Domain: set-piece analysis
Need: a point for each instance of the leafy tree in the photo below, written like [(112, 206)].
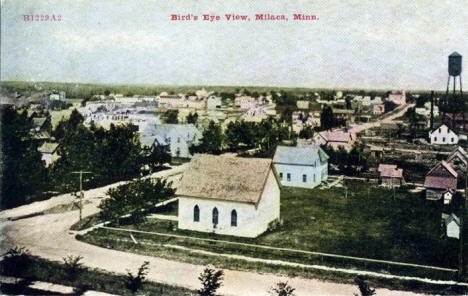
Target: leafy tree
[(23, 172), (192, 118), (135, 282), (135, 198), (211, 281), (363, 287), (212, 140), (155, 156), (389, 106), (326, 118), (73, 267), (107, 92), (282, 289), (170, 116)]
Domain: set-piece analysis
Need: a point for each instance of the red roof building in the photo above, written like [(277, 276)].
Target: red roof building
[(440, 178)]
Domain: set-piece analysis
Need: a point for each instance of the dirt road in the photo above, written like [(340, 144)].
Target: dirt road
[(48, 236), (398, 112)]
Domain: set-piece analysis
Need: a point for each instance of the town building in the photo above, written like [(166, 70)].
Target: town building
[(301, 104), (451, 225), (213, 102), (301, 166), (49, 152), (439, 179), (459, 160), (228, 195), (443, 136), (336, 139), (177, 137), (397, 97), (390, 175)]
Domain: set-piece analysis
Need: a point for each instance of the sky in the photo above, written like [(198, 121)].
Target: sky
[(353, 44)]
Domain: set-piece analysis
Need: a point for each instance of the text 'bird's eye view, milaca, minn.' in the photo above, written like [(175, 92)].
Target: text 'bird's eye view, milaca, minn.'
[(233, 148)]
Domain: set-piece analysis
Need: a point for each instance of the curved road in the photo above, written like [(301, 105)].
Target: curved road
[(48, 236)]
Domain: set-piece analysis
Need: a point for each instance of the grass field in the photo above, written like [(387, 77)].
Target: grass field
[(369, 223)]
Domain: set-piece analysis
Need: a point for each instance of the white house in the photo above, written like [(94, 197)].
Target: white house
[(228, 195), (49, 152), (213, 102), (452, 225), (301, 166), (178, 137), (443, 136)]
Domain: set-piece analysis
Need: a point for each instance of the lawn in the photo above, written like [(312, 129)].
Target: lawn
[(368, 223)]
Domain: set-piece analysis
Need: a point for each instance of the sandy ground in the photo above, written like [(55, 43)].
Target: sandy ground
[(48, 236)]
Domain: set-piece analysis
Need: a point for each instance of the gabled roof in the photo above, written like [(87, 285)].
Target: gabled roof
[(455, 54), (460, 153), (440, 183), (336, 136), (300, 155), (159, 132), (225, 177), (449, 218), (442, 125), (48, 147), (390, 171), (38, 121), (446, 166)]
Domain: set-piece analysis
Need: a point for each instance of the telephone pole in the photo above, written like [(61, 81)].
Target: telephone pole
[(461, 261), (81, 190)]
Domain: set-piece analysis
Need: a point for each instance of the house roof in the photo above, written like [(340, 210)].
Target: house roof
[(159, 132), (460, 153), (336, 136), (390, 171), (48, 147), (455, 54), (225, 177), (300, 155), (442, 125), (449, 218), (436, 182), (38, 121), (446, 166)]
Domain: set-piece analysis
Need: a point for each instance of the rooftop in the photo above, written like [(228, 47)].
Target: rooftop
[(225, 177), (299, 155)]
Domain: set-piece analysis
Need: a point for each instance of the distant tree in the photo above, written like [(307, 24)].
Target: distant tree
[(211, 281), (348, 103), (192, 118), (107, 92), (282, 289), (170, 116), (363, 287), (135, 282), (136, 198), (73, 267), (211, 141), (155, 156), (326, 118), (389, 106)]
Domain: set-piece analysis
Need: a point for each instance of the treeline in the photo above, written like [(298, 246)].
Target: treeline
[(238, 136), (106, 155), (352, 162)]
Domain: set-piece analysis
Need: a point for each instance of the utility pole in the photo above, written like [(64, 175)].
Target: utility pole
[(461, 261), (81, 190), (432, 110)]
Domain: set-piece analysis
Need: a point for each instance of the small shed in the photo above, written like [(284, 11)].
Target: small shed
[(390, 175), (451, 225)]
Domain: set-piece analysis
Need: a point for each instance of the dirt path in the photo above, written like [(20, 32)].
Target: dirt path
[(48, 236), (398, 112)]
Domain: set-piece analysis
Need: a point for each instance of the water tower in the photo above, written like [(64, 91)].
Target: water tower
[(454, 70)]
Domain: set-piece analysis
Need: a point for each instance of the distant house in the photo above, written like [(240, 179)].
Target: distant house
[(49, 152), (397, 97), (228, 195), (459, 160), (378, 109), (451, 225), (302, 104), (301, 166), (443, 136), (213, 102), (390, 175), (336, 139), (178, 137), (441, 177)]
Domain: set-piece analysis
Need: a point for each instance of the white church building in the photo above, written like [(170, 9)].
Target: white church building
[(443, 136), (228, 195), (301, 166)]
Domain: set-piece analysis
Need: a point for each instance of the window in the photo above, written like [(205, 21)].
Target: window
[(288, 176), (435, 139), (453, 140), (281, 176), (440, 130), (215, 217), (304, 178), (178, 139), (443, 139), (234, 218), (314, 177), (196, 214)]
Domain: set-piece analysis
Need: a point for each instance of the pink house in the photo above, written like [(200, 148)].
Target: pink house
[(397, 97), (336, 139)]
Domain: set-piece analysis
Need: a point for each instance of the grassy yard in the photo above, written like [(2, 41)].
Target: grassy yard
[(368, 223)]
